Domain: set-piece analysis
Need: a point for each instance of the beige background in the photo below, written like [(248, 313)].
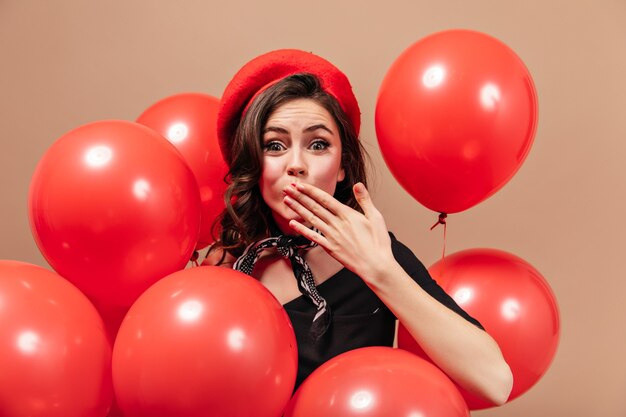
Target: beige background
[(66, 63)]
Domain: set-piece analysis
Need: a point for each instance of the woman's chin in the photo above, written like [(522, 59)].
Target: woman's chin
[(283, 221)]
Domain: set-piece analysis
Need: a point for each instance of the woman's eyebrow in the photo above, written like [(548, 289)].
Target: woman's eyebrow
[(275, 129), (318, 126)]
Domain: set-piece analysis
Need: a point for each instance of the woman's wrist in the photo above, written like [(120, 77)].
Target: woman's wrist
[(383, 272)]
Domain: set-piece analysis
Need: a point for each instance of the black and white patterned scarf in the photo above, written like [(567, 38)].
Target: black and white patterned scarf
[(291, 247)]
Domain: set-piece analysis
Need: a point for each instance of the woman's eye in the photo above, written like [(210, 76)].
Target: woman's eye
[(273, 147), (319, 145)]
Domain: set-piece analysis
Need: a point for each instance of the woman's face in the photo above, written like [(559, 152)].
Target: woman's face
[(301, 143)]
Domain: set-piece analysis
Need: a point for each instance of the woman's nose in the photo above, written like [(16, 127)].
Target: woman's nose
[(296, 165)]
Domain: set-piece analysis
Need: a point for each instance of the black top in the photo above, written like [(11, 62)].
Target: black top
[(359, 317)]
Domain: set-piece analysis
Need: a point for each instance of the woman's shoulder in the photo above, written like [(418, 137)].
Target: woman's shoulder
[(216, 255), (405, 256), (398, 248)]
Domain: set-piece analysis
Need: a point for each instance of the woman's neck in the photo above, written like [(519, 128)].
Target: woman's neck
[(322, 264)]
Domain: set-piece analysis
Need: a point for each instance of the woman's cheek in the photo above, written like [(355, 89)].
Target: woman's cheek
[(328, 179), (271, 173)]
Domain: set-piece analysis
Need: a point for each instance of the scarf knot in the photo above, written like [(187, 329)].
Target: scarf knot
[(286, 246), (290, 247)]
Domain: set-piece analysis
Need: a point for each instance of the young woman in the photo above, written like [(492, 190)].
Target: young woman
[(299, 219)]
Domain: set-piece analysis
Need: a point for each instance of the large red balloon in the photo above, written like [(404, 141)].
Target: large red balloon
[(377, 381), (512, 301), (55, 360), (206, 341), (113, 208), (188, 122), (456, 116)]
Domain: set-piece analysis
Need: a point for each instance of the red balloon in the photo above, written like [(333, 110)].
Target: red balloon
[(113, 208), (55, 360), (205, 341), (456, 116), (377, 381), (188, 122), (512, 301), (112, 317)]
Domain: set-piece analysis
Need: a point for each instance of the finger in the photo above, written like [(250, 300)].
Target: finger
[(363, 198), (322, 197), (306, 214), (310, 234), (310, 204)]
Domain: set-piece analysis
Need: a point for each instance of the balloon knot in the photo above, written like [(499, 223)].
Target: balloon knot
[(441, 220), (194, 257)]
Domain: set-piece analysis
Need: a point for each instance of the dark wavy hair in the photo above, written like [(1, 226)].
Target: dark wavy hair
[(247, 217)]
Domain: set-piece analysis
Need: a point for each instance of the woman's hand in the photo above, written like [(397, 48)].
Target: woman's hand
[(359, 241)]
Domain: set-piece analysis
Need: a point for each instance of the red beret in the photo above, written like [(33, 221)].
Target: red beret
[(267, 69)]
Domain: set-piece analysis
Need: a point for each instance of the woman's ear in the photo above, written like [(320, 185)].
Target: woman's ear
[(341, 175)]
